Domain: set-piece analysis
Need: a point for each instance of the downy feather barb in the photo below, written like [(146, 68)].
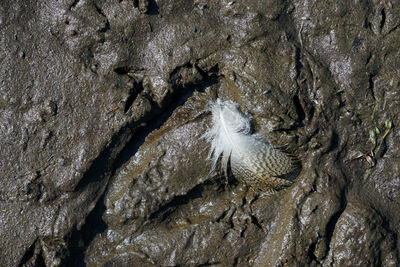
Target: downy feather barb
[(253, 159)]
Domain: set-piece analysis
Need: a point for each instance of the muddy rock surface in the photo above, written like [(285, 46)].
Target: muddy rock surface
[(103, 105)]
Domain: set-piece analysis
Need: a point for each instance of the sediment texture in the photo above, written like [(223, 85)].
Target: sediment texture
[(102, 109)]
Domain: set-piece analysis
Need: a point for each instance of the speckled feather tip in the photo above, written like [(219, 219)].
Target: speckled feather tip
[(253, 159)]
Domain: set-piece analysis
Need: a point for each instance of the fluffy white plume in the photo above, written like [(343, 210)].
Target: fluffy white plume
[(230, 134), (252, 158)]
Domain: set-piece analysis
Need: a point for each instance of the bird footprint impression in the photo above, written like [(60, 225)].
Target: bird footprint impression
[(252, 157)]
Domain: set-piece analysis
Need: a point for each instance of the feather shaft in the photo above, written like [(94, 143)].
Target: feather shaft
[(253, 159)]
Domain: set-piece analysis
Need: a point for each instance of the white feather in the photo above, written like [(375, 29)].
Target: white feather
[(230, 133), (250, 154)]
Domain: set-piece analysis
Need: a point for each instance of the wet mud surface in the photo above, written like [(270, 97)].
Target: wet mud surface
[(104, 104)]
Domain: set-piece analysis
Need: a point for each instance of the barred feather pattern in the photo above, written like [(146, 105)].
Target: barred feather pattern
[(253, 159)]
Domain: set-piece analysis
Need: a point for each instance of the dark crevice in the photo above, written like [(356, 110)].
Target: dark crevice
[(368, 8), (160, 115), (334, 142), (366, 23), (222, 216), (230, 221), (29, 253), (208, 78), (114, 156), (148, 7), (370, 81), (368, 58), (228, 178), (356, 42), (381, 149), (98, 9), (311, 113), (330, 227), (89, 53), (371, 84), (235, 261), (394, 28), (107, 24), (383, 20), (73, 4), (299, 109), (102, 165), (298, 65), (33, 256), (152, 8), (40, 261), (176, 75), (122, 70), (213, 70), (255, 221), (311, 254), (81, 239), (106, 27), (133, 93)]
